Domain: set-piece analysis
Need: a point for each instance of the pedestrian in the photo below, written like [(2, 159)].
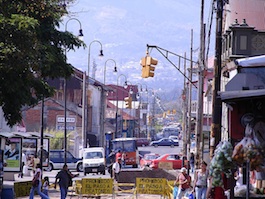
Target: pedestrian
[(36, 160), (118, 155), (123, 159), (200, 181), (192, 162), (183, 180), (45, 186), (65, 180), (23, 161), (116, 169), (36, 184)]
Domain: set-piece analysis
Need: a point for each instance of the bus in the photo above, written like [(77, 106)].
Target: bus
[(129, 146)]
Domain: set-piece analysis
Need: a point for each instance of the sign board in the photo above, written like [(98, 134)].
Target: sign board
[(97, 186), (155, 186), (165, 165), (70, 123), (12, 154)]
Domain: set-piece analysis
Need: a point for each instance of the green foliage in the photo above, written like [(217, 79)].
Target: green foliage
[(57, 141), (31, 50)]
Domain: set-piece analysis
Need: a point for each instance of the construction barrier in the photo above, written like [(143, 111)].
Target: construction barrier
[(107, 186)]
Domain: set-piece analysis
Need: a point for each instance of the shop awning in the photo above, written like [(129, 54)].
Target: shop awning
[(24, 134), (241, 94), (6, 134)]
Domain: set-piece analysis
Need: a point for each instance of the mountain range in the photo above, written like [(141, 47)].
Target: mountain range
[(124, 28)]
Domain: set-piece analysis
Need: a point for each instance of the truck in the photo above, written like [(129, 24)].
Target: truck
[(94, 160)]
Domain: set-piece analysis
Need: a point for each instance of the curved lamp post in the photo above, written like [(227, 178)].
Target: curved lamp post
[(84, 112), (100, 54), (65, 90), (116, 127), (115, 68)]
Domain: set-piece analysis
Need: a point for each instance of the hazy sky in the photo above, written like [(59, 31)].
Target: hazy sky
[(125, 27)]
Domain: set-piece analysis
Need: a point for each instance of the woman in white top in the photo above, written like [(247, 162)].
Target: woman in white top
[(36, 184), (200, 181)]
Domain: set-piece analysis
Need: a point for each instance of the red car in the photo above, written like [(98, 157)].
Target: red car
[(147, 159), (168, 161)]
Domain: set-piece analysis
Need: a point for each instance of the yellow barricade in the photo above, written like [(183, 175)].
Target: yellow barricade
[(154, 186), (97, 186), (124, 188), (22, 188)]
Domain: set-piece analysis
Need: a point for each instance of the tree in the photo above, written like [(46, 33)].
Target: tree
[(31, 50)]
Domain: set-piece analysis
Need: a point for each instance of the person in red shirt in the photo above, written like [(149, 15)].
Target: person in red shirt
[(118, 155)]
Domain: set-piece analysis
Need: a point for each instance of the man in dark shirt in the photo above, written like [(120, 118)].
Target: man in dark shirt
[(65, 179)]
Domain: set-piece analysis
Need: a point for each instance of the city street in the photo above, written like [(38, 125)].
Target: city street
[(56, 194)]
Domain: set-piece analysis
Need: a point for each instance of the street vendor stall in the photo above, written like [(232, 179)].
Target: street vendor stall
[(244, 96)]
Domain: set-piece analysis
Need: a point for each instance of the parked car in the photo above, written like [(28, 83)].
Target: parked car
[(57, 161), (142, 142), (147, 159), (164, 142), (169, 161), (175, 138)]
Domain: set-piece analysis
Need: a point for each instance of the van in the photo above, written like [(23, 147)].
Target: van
[(94, 160)]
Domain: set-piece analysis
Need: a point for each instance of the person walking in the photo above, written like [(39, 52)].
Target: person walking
[(65, 179), (200, 181), (192, 162), (116, 169), (36, 184), (183, 180), (123, 159), (118, 155), (36, 160), (45, 186), (23, 163)]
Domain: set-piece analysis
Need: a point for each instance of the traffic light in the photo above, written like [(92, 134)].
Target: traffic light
[(148, 68), (128, 102), (151, 62), (144, 68)]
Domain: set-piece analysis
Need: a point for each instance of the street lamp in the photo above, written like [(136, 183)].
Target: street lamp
[(65, 90), (100, 54), (84, 112), (116, 127), (115, 68)]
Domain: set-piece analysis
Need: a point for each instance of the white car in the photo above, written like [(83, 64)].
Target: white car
[(175, 138)]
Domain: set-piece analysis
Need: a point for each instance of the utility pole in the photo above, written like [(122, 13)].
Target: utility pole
[(199, 116), (190, 96), (217, 105), (184, 118)]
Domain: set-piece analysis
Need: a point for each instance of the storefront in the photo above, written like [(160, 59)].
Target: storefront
[(244, 97)]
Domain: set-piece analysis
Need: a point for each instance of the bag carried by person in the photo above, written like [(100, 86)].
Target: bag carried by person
[(35, 182), (175, 192)]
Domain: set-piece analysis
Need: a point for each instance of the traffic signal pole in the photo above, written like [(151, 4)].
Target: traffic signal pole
[(217, 104)]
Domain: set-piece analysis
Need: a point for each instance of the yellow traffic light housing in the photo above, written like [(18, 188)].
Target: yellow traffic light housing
[(151, 62), (128, 102), (144, 68), (148, 66)]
